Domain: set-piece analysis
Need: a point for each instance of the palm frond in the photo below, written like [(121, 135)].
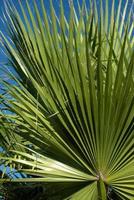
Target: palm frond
[(73, 101)]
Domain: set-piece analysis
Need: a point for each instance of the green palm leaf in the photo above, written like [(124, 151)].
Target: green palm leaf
[(73, 101)]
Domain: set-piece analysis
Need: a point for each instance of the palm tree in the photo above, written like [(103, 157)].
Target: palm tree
[(72, 104)]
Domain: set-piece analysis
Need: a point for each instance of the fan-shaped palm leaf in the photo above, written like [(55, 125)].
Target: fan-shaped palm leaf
[(74, 97)]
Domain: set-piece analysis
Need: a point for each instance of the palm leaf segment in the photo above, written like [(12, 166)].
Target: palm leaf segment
[(74, 97)]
